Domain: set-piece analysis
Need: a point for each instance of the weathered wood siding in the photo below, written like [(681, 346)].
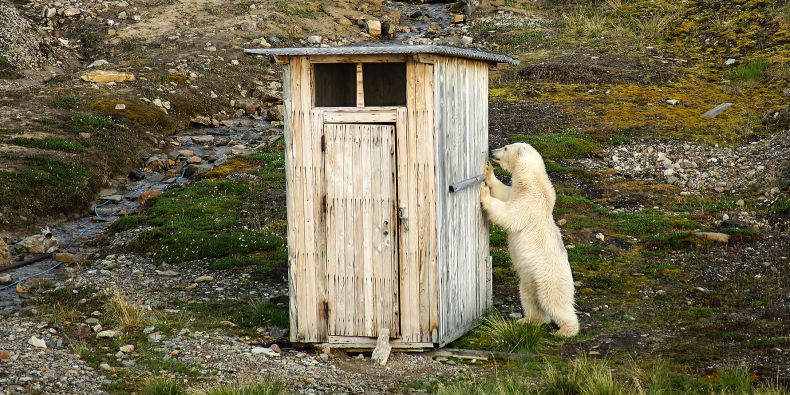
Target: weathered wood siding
[(461, 121), (416, 198), (304, 194)]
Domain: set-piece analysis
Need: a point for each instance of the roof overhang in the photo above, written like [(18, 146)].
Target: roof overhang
[(444, 50)]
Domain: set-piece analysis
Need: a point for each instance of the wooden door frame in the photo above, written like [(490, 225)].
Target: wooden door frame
[(395, 115)]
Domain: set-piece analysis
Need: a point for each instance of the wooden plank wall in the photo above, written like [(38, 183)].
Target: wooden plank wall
[(416, 183), (462, 149), (305, 191)]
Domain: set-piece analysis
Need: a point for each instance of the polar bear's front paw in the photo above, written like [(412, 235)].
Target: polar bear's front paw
[(485, 194), (488, 172)]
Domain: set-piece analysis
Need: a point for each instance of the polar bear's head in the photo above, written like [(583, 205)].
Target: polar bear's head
[(510, 156)]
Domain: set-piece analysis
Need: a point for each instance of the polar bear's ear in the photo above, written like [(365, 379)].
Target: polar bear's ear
[(522, 150)]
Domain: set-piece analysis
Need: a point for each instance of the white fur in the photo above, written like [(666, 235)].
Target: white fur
[(538, 254)]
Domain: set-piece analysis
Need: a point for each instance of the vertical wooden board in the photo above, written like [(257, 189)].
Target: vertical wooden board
[(359, 273), (442, 190), (367, 148), (289, 199), (404, 182), (422, 258), (399, 176), (309, 187), (319, 215), (377, 232), (297, 137), (432, 223), (331, 175)]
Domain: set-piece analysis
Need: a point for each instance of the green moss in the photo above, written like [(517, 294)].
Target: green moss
[(67, 102), (46, 185), (567, 144), (137, 112), (770, 342), (590, 257), (48, 143), (201, 220), (86, 123)]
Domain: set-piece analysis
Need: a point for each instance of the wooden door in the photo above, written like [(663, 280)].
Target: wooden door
[(361, 229)]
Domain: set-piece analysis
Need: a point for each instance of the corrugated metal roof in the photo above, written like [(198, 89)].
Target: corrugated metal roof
[(388, 49)]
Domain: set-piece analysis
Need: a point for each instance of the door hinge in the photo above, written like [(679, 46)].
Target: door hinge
[(323, 143)]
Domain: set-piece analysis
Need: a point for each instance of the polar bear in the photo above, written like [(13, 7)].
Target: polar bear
[(538, 254)]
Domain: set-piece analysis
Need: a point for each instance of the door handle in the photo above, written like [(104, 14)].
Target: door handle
[(386, 228)]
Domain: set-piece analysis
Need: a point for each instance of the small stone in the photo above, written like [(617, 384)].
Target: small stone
[(5, 355), (275, 348), (740, 203), (206, 139), (729, 62), (374, 27), (167, 273), (194, 160), (65, 258), (148, 330), (600, 236), (83, 331), (459, 18), (5, 279), (562, 222), (713, 112), (107, 334), (120, 106), (97, 63), (71, 12), (129, 348), (227, 323), (37, 342), (265, 351), (516, 316), (725, 217), (204, 279), (381, 353), (714, 236), (155, 337), (314, 39), (92, 321), (106, 366), (673, 102), (103, 77), (466, 41)]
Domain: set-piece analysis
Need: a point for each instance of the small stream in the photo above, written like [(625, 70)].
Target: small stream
[(213, 146)]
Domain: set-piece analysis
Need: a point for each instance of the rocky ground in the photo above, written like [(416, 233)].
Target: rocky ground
[(150, 146)]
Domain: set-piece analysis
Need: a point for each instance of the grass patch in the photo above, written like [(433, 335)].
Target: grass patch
[(48, 143), (85, 123), (126, 316), (248, 315), (749, 71), (201, 220), (163, 386), (567, 144), (67, 103), (497, 333), (301, 9), (266, 262), (269, 387), (157, 361), (47, 185), (767, 342)]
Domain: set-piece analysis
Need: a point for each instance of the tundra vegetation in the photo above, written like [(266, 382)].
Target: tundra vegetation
[(663, 310)]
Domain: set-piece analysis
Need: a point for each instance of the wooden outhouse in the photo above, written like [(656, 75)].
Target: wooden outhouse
[(384, 150)]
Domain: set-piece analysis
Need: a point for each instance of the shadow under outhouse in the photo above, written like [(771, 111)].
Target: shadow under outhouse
[(384, 149)]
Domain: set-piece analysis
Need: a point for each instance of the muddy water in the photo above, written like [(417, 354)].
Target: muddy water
[(245, 137)]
